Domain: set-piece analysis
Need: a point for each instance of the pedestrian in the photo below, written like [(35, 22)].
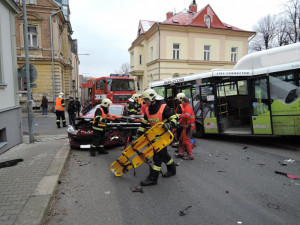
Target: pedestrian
[(187, 121), (134, 106), (44, 105), (99, 128), (157, 111), (78, 106), (72, 111), (60, 110)]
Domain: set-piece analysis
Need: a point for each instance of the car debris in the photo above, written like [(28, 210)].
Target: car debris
[(288, 175), (137, 189), (184, 212)]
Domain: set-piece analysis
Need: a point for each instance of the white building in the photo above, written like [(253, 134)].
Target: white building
[(10, 111)]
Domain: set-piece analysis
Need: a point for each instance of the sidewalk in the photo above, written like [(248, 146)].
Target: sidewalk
[(26, 189)]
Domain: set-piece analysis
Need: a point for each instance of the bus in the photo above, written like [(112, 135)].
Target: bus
[(259, 96), (118, 88)]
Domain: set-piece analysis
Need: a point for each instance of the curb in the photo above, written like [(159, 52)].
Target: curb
[(37, 206)]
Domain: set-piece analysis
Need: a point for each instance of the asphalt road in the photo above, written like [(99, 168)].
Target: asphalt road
[(231, 181)]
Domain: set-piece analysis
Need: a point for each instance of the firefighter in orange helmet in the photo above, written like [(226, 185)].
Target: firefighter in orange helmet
[(187, 121), (60, 110)]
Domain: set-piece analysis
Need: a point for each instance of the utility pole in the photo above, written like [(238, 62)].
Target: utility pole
[(29, 99)]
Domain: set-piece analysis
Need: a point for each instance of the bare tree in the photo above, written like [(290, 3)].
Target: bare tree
[(292, 12), (283, 37), (124, 69), (265, 33)]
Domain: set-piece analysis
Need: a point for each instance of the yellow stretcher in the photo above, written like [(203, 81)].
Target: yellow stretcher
[(142, 149)]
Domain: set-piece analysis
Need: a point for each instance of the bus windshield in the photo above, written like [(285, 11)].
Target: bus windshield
[(120, 85)]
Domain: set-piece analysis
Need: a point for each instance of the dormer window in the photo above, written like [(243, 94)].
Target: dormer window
[(207, 21)]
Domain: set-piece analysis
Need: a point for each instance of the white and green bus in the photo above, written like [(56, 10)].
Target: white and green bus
[(260, 96)]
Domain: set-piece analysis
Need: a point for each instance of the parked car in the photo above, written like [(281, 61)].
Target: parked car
[(119, 127)]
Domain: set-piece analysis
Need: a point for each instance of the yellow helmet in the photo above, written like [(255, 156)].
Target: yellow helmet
[(135, 97), (180, 96), (150, 94), (106, 102)]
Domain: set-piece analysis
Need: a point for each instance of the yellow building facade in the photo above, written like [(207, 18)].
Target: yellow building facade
[(186, 43)]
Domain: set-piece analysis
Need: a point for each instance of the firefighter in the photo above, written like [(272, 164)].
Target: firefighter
[(187, 121), (60, 110), (178, 112), (157, 112), (134, 106), (99, 125)]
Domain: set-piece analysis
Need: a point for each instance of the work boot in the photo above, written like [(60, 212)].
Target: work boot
[(151, 179), (64, 124), (92, 151), (102, 151), (176, 155), (171, 170), (58, 126), (188, 158)]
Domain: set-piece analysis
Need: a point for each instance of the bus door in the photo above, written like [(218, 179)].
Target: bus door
[(207, 99), (260, 105)]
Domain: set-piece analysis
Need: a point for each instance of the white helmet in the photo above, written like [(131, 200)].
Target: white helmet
[(150, 94), (106, 102), (180, 96), (61, 94), (135, 97)]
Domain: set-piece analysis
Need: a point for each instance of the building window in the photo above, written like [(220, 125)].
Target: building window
[(176, 50), (151, 49), (132, 58), (206, 52), (32, 37), (140, 59), (207, 21), (233, 54)]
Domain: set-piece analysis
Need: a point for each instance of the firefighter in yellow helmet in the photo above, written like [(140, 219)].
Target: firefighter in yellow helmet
[(157, 111), (178, 112), (60, 110), (99, 126), (134, 106)]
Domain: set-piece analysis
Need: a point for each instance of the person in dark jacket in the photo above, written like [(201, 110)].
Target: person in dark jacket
[(72, 111), (157, 111), (44, 105), (87, 107), (78, 106), (134, 106)]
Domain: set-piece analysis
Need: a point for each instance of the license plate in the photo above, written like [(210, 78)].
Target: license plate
[(85, 146)]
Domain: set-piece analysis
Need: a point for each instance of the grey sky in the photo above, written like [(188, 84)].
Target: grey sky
[(106, 29)]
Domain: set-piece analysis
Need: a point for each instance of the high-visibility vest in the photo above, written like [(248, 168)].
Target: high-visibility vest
[(58, 105), (156, 118), (100, 124), (188, 117)]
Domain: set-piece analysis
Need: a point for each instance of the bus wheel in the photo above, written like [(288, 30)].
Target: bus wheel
[(199, 131)]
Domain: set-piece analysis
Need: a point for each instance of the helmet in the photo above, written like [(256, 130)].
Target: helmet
[(135, 97), (180, 96), (150, 94), (60, 94), (106, 102)]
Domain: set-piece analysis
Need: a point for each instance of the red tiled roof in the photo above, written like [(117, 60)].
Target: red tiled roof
[(188, 18)]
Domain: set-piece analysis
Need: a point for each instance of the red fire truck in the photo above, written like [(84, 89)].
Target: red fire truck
[(118, 88)]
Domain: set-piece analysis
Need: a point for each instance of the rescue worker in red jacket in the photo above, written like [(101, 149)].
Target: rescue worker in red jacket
[(99, 125), (134, 106), (157, 112), (60, 110), (187, 121)]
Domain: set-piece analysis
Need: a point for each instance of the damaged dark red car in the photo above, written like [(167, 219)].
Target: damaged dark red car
[(119, 127)]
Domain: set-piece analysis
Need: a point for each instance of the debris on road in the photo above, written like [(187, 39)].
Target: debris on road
[(137, 189), (184, 212), (222, 171), (10, 163), (288, 175)]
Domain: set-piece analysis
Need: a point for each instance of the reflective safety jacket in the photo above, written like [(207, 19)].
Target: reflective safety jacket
[(134, 108), (99, 122), (187, 117), (59, 104), (158, 112)]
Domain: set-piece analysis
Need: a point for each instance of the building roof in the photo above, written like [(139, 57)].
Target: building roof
[(192, 19)]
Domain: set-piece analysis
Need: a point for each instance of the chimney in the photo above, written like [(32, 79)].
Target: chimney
[(193, 7), (169, 15)]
